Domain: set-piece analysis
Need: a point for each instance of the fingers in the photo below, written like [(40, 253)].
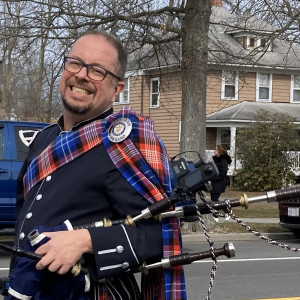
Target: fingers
[(59, 253)]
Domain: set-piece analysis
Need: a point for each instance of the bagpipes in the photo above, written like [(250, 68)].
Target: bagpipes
[(188, 184)]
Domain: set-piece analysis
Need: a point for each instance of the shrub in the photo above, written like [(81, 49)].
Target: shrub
[(263, 148)]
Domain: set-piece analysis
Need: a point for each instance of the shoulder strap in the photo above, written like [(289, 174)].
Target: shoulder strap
[(64, 149)]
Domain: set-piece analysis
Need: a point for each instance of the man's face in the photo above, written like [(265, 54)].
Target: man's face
[(80, 94)]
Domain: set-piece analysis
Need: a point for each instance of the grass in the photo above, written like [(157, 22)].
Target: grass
[(255, 210), (237, 228)]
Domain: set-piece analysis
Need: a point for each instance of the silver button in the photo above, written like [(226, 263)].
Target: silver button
[(39, 197), (119, 249), (125, 265), (48, 178), (22, 235), (29, 215)]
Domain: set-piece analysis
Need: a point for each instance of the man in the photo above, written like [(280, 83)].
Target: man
[(92, 165)]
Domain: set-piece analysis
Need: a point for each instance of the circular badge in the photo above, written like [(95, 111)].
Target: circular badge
[(119, 130)]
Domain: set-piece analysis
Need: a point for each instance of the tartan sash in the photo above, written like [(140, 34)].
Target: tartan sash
[(64, 149), (142, 160)]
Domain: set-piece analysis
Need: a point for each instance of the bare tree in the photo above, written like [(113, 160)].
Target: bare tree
[(194, 71), (163, 33)]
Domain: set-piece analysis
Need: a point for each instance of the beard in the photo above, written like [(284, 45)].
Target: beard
[(79, 110)]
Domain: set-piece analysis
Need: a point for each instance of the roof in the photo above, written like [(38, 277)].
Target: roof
[(224, 49), (245, 111)]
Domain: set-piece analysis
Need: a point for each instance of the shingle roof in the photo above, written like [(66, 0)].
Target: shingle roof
[(284, 55), (224, 49), (246, 111)]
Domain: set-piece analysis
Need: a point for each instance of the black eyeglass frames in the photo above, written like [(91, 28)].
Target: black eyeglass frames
[(94, 72)]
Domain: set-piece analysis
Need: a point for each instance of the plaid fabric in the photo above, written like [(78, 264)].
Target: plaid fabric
[(147, 170), (65, 148), (142, 160)]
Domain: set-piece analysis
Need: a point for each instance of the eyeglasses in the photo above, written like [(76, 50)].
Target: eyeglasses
[(94, 72)]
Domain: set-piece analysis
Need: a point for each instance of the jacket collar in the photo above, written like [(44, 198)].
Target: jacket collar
[(105, 114)]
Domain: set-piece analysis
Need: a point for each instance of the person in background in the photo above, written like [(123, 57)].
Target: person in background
[(222, 160)]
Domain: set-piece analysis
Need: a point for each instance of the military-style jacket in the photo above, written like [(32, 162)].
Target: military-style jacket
[(86, 190)]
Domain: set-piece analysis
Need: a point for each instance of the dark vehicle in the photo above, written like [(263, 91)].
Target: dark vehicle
[(289, 214), (15, 138)]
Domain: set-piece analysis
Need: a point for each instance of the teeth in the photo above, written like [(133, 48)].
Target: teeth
[(79, 90)]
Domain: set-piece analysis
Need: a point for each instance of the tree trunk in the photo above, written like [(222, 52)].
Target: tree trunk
[(194, 71)]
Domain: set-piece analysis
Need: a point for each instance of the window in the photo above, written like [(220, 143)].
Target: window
[(251, 42), (229, 85), (24, 137), (295, 88), (154, 92), (225, 138), (263, 43), (263, 87), (259, 43), (123, 98)]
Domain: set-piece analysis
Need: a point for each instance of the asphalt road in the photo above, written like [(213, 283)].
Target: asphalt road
[(258, 271)]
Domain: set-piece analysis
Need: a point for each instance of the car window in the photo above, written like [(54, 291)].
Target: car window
[(24, 137)]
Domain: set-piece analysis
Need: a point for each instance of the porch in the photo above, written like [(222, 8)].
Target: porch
[(221, 127), (235, 165)]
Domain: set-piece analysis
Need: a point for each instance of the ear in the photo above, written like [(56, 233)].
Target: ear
[(119, 88)]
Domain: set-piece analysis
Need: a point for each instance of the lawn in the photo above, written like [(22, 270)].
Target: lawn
[(237, 228), (255, 210)]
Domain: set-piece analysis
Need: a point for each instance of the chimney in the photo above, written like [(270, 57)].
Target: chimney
[(217, 3)]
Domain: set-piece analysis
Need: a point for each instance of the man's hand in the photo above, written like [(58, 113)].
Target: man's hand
[(63, 250)]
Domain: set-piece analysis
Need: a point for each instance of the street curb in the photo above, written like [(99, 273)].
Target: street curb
[(236, 237)]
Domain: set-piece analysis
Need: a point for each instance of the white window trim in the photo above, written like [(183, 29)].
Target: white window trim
[(292, 90), (121, 95), (270, 88), (158, 97), (179, 131), (267, 43), (259, 42), (248, 42), (236, 87)]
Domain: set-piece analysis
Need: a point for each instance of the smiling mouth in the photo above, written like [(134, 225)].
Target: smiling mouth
[(80, 90)]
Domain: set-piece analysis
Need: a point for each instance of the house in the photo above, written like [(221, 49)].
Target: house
[(226, 122), (248, 69)]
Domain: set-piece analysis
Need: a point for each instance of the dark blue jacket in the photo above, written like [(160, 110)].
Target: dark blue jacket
[(65, 287), (86, 190)]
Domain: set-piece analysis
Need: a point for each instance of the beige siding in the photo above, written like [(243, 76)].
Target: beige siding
[(246, 88), (242, 41), (211, 136), (213, 92), (281, 88), (167, 117)]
